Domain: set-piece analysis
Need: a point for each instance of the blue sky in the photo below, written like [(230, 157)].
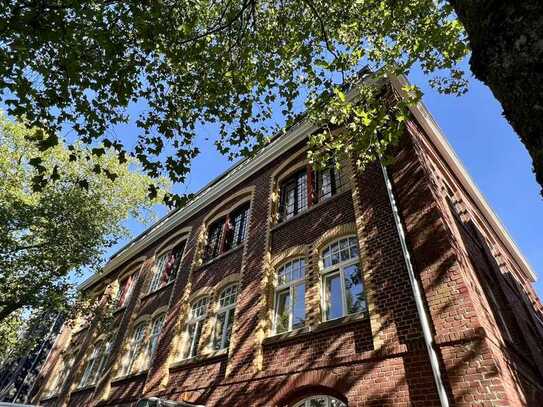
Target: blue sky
[(484, 141)]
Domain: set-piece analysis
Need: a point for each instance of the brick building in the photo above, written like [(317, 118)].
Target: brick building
[(282, 286)]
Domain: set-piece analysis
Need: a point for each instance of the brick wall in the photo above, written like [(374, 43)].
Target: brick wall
[(375, 358)]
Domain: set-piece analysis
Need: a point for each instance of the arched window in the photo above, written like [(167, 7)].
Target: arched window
[(195, 324), (290, 296), (125, 290), (307, 187), (95, 364), (227, 232), (225, 317), (343, 290), (166, 266), (136, 347), (320, 401), (156, 327)]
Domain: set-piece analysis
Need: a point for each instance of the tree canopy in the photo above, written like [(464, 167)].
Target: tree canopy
[(244, 68), (46, 235)]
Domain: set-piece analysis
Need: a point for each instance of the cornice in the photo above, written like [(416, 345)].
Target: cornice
[(437, 138)]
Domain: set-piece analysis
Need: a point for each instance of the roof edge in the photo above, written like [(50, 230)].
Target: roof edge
[(439, 140)]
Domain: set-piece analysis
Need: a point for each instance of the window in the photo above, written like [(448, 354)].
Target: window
[(166, 266), (327, 183), (125, 289), (236, 227), (290, 296), (195, 324), (158, 271), (294, 197), (96, 363), (214, 239), (227, 233), (156, 327), (343, 290), (136, 347), (225, 317), (173, 265), (307, 187), (320, 401), (59, 380)]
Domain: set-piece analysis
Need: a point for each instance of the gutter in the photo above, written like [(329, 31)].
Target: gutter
[(417, 293)]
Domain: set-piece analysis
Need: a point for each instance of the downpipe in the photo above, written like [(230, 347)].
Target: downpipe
[(421, 310)]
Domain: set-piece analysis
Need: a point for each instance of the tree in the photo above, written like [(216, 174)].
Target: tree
[(233, 65), (46, 236)]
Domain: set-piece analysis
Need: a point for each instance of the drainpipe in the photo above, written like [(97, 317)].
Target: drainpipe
[(423, 316)]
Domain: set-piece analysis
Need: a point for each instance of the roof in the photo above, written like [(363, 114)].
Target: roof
[(294, 135)]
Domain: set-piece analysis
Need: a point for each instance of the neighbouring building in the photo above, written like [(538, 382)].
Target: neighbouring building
[(19, 373), (279, 285)]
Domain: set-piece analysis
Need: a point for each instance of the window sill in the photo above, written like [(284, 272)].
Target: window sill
[(159, 289), (325, 201), (220, 256), (322, 327), (200, 358), (129, 376), (84, 388)]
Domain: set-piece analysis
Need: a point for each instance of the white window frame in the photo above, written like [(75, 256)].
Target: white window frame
[(197, 319), (291, 286), (328, 399), (89, 373), (228, 310), (156, 329), (338, 269), (137, 345), (158, 272), (95, 363)]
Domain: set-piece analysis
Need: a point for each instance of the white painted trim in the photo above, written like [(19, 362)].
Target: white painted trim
[(436, 136)]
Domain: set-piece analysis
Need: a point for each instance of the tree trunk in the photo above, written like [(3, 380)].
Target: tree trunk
[(506, 40)]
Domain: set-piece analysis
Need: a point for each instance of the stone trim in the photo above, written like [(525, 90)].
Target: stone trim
[(173, 241)]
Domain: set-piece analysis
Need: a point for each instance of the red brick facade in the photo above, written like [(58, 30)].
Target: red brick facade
[(484, 314)]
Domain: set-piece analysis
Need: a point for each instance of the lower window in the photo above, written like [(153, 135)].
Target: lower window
[(195, 324), (343, 289), (320, 401)]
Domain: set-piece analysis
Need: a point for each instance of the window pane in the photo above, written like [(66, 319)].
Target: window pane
[(354, 290), (317, 402), (228, 296), (282, 311), (219, 327), (292, 271), (298, 307), (289, 201), (229, 324), (324, 184), (197, 335), (334, 307), (214, 237), (301, 192), (190, 339)]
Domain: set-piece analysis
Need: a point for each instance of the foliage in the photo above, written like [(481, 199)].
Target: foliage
[(232, 65), (46, 235)]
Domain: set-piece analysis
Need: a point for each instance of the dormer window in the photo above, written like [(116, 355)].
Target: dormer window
[(227, 232)]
